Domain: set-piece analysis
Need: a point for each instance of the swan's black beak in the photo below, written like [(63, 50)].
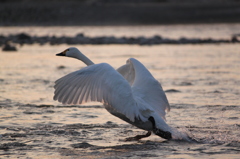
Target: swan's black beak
[(61, 54)]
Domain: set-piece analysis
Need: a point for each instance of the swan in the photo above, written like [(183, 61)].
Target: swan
[(130, 93)]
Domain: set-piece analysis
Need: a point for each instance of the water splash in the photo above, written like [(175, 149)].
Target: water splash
[(182, 134), (208, 135)]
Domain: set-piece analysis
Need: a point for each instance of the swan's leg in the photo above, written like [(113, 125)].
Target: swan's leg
[(159, 132), (138, 137)]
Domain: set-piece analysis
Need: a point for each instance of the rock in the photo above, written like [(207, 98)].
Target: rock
[(61, 67), (185, 84), (172, 91), (234, 39), (79, 35), (14, 135), (23, 36), (216, 91), (58, 132), (9, 47), (80, 38), (82, 145), (6, 146)]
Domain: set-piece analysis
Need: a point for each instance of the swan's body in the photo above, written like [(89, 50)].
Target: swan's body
[(130, 93)]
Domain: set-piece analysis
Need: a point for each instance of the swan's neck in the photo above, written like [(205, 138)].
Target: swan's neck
[(84, 59)]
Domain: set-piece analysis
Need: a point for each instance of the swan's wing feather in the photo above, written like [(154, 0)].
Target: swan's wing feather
[(99, 82), (128, 72), (148, 88)]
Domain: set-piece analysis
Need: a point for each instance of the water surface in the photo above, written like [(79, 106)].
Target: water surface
[(202, 83)]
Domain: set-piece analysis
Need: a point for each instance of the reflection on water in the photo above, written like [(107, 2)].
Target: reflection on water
[(205, 104), (204, 74), (170, 31)]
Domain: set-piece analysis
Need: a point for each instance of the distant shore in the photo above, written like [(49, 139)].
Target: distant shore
[(23, 38), (76, 13)]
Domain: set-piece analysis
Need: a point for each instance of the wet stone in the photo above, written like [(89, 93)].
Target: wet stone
[(23, 36), (9, 47), (233, 144), (29, 112), (44, 106), (234, 39), (147, 155), (49, 111), (212, 118), (58, 132), (185, 84), (238, 125), (63, 132), (14, 135), (216, 91), (81, 145), (40, 132), (11, 144), (74, 133), (80, 38), (172, 91), (13, 129), (90, 116), (61, 67), (4, 147)]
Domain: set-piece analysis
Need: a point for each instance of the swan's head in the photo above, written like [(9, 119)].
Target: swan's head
[(75, 53), (70, 52)]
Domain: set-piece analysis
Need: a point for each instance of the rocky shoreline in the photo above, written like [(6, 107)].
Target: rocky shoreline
[(80, 38)]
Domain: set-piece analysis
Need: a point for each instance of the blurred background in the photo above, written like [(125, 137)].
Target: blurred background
[(117, 12)]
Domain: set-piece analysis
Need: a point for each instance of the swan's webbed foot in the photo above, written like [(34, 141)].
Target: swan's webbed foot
[(164, 134), (138, 137)]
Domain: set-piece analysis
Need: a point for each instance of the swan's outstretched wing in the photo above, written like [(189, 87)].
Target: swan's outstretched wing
[(99, 82), (148, 88), (128, 72)]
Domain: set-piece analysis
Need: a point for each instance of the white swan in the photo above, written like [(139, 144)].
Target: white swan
[(130, 93)]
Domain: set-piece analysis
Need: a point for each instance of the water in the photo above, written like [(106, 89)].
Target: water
[(171, 31), (205, 105)]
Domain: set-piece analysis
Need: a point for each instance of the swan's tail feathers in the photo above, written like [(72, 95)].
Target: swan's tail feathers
[(163, 131), (164, 134)]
